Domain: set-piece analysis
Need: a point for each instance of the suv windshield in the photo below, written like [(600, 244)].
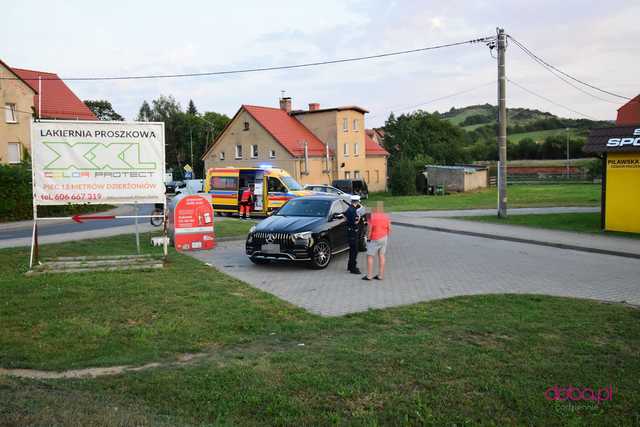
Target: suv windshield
[(291, 183), (305, 207)]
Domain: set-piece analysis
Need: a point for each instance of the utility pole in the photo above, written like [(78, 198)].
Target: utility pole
[(566, 137), (502, 125)]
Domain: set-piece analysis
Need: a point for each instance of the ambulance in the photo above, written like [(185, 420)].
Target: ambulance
[(272, 188)]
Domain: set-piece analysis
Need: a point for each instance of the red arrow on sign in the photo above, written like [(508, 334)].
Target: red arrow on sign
[(79, 218)]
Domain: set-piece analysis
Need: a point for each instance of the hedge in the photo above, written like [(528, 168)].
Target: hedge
[(16, 197)]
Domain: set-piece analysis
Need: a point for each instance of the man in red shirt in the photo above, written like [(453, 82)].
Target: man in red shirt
[(246, 202), (377, 236)]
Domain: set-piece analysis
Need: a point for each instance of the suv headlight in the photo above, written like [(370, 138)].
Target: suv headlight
[(305, 235), (252, 229)]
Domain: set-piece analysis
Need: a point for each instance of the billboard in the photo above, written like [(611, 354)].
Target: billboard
[(79, 162)]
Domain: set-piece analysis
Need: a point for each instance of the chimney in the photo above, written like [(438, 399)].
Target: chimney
[(314, 106), (285, 104)]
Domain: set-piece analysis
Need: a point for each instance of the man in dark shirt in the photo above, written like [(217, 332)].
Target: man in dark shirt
[(352, 216)]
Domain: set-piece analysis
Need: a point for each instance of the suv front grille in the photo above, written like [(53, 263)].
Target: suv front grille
[(276, 238)]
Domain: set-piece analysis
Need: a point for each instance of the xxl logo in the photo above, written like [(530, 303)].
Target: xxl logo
[(621, 142), (96, 156)]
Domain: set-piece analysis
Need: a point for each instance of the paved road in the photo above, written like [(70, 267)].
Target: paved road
[(19, 234), (46, 229), (15, 234), (425, 265)]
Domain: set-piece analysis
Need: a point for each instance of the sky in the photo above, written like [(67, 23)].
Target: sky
[(596, 41)]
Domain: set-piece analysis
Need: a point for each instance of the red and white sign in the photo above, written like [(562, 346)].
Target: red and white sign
[(192, 224)]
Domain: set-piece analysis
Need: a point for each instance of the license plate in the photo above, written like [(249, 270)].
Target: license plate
[(270, 248)]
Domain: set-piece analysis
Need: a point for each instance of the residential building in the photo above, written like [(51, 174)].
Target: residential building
[(16, 99), (20, 99), (315, 146), (629, 113)]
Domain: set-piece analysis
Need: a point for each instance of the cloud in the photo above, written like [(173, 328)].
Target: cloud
[(593, 40)]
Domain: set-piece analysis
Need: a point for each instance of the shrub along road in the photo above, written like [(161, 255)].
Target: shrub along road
[(465, 360)]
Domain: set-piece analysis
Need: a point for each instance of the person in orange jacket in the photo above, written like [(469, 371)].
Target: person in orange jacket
[(246, 202)]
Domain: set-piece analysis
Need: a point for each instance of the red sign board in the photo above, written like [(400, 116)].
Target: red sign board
[(192, 221)]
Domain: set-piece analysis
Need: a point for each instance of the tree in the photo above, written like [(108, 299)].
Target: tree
[(527, 149), (144, 114), (422, 134), (191, 109), (185, 132), (103, 109), (403, 178)]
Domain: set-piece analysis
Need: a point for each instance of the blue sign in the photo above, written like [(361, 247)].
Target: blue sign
[(188, 175)]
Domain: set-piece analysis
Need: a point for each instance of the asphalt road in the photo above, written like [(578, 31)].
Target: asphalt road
[(45, 229)]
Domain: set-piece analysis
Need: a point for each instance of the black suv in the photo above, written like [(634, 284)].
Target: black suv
[(352, 186), (309, 228)]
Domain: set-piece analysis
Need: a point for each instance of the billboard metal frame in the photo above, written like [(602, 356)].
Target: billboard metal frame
[(34, 254)]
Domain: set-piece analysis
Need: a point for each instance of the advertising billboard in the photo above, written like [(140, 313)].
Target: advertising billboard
[(79, 162)]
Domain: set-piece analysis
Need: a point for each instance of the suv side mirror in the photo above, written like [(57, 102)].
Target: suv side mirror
[(337, 215)]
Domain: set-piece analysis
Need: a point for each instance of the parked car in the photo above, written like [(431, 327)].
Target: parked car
[(173, 187), (193, 186), (352, 186), (308, 228), (327, 189)]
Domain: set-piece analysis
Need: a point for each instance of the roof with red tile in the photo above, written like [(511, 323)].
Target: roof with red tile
[(287, 130), (629, 113), (372, 147), (58, 101), (322, 110)]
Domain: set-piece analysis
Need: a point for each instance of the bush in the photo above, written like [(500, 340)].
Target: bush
[(403, 176), (16, 197), (15, 192), (594, 169)]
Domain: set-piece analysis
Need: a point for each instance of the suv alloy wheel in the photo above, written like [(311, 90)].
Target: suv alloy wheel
[(320, 254)]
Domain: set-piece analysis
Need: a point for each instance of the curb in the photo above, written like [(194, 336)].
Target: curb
[(521, 240)]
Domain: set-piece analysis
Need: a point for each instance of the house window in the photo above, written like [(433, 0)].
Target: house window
[(221, 155), (356, 174), (254, 151), (377, 176), (356, 150), (272, 154), (346, 150), (10, 113), (246, 125), (15, 153), (345, 125), (355, 125), (238, 151), (366, 177), (347, 175)]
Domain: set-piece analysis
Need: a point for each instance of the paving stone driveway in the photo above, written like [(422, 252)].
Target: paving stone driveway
[(426, 265)]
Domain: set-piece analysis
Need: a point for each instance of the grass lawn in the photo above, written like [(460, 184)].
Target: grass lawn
[(464, 361), (231, 227), (540, 135), (581, 222), (519, 196)]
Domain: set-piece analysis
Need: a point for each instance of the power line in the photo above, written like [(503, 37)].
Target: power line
[(261, 69), (549, 100), (435, 99), (546, 64), (555, 74)]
